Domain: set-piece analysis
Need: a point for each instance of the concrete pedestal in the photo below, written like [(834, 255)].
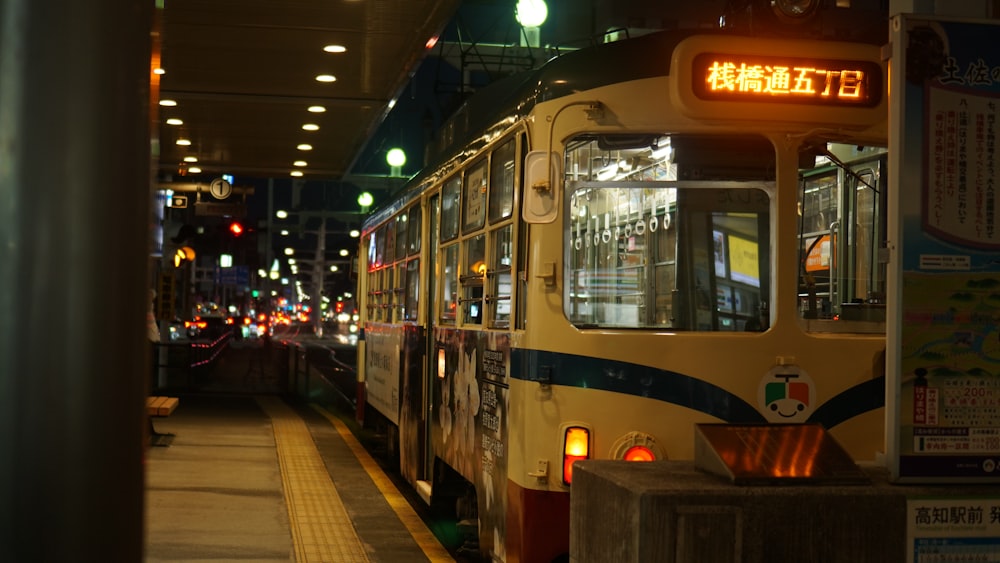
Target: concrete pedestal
[(671, 512)]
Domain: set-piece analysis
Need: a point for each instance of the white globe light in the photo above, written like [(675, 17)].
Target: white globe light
[(365, 199), (531, 13), (395, 157)]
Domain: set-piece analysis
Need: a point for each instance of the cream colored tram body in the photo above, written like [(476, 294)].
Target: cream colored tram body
[(634, 239)]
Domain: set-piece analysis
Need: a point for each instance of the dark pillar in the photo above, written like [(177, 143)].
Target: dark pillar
[(74, 244)]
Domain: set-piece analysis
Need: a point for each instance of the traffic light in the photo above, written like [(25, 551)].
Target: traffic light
[(236, 228)]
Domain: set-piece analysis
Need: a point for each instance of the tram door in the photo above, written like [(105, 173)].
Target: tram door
[(842, 235), (427, 304)]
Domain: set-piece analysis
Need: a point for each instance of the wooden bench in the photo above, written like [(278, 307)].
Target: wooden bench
[(160, 407)]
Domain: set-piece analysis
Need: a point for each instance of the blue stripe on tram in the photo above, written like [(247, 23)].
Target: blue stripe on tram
[(852, 402), (632, 379)]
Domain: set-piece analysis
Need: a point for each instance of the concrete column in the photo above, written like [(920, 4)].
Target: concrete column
[(75, 188)]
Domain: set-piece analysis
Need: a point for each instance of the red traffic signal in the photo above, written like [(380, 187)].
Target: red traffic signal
[(236, 228)]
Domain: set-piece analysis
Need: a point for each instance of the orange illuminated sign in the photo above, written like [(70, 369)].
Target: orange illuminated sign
[(751, 78)]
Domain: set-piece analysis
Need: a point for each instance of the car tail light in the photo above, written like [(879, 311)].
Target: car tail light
[(576, 446)]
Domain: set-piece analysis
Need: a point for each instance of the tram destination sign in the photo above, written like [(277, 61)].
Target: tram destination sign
[(790, 80)]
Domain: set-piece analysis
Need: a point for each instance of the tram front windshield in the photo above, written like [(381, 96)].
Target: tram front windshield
[(668, 232), (674, 232)]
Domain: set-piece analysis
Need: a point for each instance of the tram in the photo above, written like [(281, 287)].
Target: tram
[(673, 229)]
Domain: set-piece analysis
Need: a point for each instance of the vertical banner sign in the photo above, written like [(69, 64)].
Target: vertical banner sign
[(946, 84)]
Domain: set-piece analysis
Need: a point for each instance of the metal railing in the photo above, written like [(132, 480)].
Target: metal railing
[(185, 361)]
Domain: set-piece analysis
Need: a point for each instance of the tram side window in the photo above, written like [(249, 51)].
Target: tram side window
[(412, 289), (402, 232), (389, 238), (449, 284), (472, 279), (474, 198), (502, 182), (374, 295), (449, 208), (413, 226), (499, 291)]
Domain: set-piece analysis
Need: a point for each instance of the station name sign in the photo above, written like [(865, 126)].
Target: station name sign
[(820, 82)]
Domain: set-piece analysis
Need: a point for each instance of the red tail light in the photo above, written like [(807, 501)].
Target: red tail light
[(639, 453), (576, 446)]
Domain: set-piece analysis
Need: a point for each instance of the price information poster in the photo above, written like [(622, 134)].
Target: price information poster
[(945, 350), (953, 530)]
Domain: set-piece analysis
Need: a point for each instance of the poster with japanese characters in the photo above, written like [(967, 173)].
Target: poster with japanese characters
[(948, 347)]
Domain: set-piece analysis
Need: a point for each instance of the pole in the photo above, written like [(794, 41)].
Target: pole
[(75, 232)]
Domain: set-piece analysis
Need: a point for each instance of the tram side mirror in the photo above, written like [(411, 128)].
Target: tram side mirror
[(542, 187)]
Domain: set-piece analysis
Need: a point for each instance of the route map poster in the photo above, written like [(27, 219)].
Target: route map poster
[(947, 412)]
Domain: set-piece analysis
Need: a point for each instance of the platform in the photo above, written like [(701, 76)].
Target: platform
[(253, 478)]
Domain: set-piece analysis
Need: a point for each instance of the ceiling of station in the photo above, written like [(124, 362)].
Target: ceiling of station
[(243, 75)]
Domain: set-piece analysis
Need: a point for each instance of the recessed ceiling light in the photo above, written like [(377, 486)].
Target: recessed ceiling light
[(305, 147), (183, 142), (190, 159), (317, 109), (310, 127), (335, 49), (326, 78), (194, 170), (168, 103), (175, 121), (300, 163), (296, 173)]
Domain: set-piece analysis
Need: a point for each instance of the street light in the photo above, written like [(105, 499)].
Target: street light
[(396, 158), (531, 15), (365, 200)]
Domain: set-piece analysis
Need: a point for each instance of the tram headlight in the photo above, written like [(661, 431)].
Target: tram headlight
[(576, 446), (794, 11)]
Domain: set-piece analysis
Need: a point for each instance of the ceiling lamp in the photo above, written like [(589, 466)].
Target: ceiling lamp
[(335, 49), (531, 13), (326, 78), (395, 157)]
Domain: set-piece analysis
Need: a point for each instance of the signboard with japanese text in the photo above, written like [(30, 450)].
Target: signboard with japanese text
[(944, 354), (942, 530)]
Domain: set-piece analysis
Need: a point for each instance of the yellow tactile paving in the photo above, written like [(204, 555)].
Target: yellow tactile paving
[(430, 545), (322, 531)]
